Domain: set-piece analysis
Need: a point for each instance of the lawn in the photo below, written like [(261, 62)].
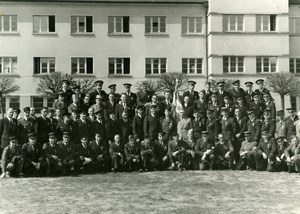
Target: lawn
[(154, 192)]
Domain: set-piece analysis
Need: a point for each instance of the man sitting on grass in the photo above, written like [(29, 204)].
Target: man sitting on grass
[(177, 153), (132, 153)]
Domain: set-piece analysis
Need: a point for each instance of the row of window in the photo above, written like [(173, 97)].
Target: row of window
[(116, 24), (116, 66)]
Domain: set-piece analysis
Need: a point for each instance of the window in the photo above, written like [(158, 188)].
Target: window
[(50, 101), (82, 65), (295, 65), (8, 65), (294, 25), (14, 102), (118, 66), (118, 24), (233, 64), (81, 24), (37, 103), (156, 65), (43, 65), (192, 66), (265, 23), (155, 24), (266, 64), (191, 25), (233, 23), (8, 23), (3, 99), (293, 102), (43, 24)]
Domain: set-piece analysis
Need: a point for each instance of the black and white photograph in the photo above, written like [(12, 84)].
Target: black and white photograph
[(149, 106)]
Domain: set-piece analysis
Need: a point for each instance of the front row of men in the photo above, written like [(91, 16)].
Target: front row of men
[(64, 158)]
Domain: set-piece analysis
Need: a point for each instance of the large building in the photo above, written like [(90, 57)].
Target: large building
[(119, 41)]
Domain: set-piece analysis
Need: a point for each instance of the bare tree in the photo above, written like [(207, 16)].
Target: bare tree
[(50, 84), (151, 86), (228, 83), (7, 86), (86, 85), (168, 81), (283, 83)]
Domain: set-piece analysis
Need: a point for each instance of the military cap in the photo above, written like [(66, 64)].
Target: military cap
[(99, 82), (51, 135), (214, 95), (84, 136), (17, 110), (248, 83), (98, 96), (111, 112), (279, 112), (290, 109), (168, 108), (161, 133), (204, 132), (31, 135), (191, 82), (61, 93), (266, 94), (279, 137), (202, 91), (66, 134), (196, 111), (26, 109), (250, 112), (221, 83), (66, 81), (226, 97), (127, 84), (175, 134), (246, 133), (240, 98), (12, 138), (76, 87), (112, 86), (255, 94), (267, 110), (265, 133), (83, 112), (130, 137), (259, 81), (167, 90), (236, 82), (75, 110)]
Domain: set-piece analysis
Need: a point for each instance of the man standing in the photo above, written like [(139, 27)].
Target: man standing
[(281, 126), (112, 88), (8, 128), (183, 125), (112, 127), (151, 124), (221, 92), (98, 91), (261, 90), (193, 95), (25, 126), (291, 123), (99, 154), (132, 153), (249, 93), (138, 123), (253, 126), (131, 97), (61, 103), (269, 104), (143, 96), (236, 91), (43, 128)]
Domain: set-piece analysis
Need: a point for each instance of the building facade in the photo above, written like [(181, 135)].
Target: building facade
[(129, 41)]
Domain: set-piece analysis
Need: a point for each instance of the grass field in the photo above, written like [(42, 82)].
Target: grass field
[(154, 192)]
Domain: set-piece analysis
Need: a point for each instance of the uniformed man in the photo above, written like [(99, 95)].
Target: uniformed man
[(8, 128), (229, 106), (242, 106), (224, 153), (158, 107), (124, 105), (241, 127), (83, 157), (246, 160), (279, 161), (143, 96), (228, 128), (113, 88), (61, 103), (126, 127), (208, 91), (292, 154), (261, 89), (265, 152), (198, 123), (52, 119), (98, 125), (236, 91), (268, 124), (147, 155), (111, 104), (205, 151), (33, 165), (75, 104), (80, 96), (50, 155), (112, 126), (202, 103), (65, 88), (192, 160), (191, 93), (43, 128), (99, 105), (168, 124), (116, 154), (249, 92), (257, 106), (215, 105), (25, 126), (188, 107), (151, 124), (98, 91), (132, 154), (132, 100), (66, 155), (253, 126), (161, 151), (167, 103), (177, 153), (269, 104), (66, 125), (281, 126), (138, 123), (99, 154), (212, 126), (291, 123), (83, 127), (12, 159), (221, 92)]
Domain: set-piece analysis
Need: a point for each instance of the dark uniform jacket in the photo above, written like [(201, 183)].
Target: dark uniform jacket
[(98, 127), (194, 95), (199, 125), (82, 150), (222, 148), (43, 129), (258, 109), (7, 130), (114, 149), (228, 128), (180, 146), (137, 127), (143, 97), (241, 126), (30, 153), (212, 126), (202, 146), (254, 126), (126, 129), (66, 152), (131, 150), (249, 97), (236, 93), (98, 148), (25, 127), (272, 107), (268, 126), (221, 96), (9, 154), (112, 129), (120, 108), (49, 150), (151, 126), (84, 128), (160, 149), (132, 100), (267, 147)]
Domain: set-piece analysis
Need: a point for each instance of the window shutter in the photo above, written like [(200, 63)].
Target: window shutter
[(126, 24), (14, 23), (89, 65), (51, 23), (126, 65), (225, 23), (184, 25), (73, 24), (273, 22), (147, 24), (36, 65), (110, 24), (89, 24), (258, 23)]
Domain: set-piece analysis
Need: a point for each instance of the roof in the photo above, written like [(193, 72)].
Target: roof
[(114, 1)]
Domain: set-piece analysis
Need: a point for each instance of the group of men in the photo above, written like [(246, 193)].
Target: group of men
[(100, 132)]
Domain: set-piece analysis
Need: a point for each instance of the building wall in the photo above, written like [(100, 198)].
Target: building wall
[(62, 45)]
